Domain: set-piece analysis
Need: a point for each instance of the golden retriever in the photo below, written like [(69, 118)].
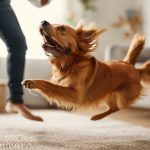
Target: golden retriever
[(79, 80)]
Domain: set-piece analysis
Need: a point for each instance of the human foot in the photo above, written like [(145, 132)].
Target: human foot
[(22, 110)]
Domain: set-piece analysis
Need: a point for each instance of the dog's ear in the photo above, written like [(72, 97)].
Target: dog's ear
[(87, 38)]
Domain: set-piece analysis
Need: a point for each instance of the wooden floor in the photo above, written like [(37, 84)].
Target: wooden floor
[(135, 116)]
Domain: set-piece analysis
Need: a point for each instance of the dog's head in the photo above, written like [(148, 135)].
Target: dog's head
[(64, 42)]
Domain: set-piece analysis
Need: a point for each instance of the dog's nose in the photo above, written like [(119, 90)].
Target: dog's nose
[(44, 23)]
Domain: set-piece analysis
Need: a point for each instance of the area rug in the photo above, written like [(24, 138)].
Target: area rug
[(69, 131)]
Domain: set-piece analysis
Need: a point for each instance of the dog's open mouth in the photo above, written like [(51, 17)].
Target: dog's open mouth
[(51, 45)]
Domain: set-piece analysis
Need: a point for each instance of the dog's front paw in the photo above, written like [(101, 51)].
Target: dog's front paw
[(28, 84)]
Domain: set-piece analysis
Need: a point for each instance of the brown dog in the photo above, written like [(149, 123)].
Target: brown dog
[(81, 81)]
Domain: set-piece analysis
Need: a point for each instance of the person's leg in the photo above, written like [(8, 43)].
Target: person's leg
[(14, 39)]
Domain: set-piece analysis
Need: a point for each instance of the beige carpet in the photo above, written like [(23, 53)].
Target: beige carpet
[(67, 131)]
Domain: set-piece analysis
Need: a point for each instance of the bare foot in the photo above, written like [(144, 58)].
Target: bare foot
[(22, 110)]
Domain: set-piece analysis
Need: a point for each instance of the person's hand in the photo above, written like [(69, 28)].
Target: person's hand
[(39, 3), (44, 2)]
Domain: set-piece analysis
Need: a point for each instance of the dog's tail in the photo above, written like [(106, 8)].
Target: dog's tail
[(145, 73), (134, 49)]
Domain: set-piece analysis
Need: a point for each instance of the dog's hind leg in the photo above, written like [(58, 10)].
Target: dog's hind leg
[(49, 90), (121, 99), (111, 105), (104, 114)]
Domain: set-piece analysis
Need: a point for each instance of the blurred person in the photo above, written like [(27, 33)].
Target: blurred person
[(14, 39)]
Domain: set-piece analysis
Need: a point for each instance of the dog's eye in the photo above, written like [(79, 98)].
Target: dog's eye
[(61, 28)]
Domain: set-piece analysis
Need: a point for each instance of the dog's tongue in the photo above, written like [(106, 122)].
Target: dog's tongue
[(48, 48), (51, 45)]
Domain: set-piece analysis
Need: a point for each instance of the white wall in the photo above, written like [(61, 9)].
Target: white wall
[(107, 11), (30, 18), (146, 19)]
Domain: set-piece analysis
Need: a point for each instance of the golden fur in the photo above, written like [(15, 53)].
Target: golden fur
[(79, 80)]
